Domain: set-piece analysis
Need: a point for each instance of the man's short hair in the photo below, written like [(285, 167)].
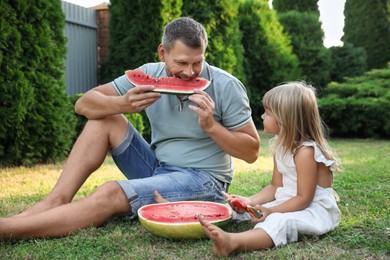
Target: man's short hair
[(187, 30)]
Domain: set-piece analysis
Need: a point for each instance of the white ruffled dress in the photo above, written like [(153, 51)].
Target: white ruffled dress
[(320, 217)]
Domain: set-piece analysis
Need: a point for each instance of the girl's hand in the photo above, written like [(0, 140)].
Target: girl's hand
[(263, 210), (245, 201)]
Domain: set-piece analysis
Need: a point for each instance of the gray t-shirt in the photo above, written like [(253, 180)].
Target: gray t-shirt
[(177, 138)]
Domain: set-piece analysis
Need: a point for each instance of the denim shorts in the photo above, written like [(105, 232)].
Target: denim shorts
[(145, 174)]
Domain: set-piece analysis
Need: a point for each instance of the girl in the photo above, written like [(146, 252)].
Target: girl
[(299, 199)]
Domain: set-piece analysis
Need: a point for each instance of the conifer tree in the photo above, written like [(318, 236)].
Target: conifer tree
[(367, 25), (269, 59), (38, 123), (300, 6), (136, 29), (221, 23), (301, 21)]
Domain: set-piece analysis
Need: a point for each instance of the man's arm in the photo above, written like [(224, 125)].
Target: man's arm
[(104, 101), (242, 143)]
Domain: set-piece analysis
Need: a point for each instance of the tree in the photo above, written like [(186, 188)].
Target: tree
[(300, 6), (306, 37), (269, 59), (221, 23), (135, 33), (348, 61), (37, 117), (367, 25), (301, 20)]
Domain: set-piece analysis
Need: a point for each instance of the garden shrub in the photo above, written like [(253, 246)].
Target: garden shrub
[(37, 122), (348, 61), (269, 58), (135, 119), (306, 35), (359, 107)]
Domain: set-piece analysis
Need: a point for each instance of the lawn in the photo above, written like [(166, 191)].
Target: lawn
[(364, 231)]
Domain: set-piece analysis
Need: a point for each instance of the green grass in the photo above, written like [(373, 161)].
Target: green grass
[(364, 231)]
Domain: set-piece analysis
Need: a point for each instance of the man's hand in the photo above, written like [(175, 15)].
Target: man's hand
[(138, 98), (204, 107)]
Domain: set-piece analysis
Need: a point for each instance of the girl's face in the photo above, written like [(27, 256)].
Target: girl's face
[(271, 126)]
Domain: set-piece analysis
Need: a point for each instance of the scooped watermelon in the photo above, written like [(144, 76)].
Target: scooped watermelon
[(168, 85), (181, 219)]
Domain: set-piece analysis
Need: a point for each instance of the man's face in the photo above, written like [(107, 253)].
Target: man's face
[(182, 61)]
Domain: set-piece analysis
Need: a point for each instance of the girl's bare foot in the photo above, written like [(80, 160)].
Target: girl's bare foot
[(223, 245), (158, 198)]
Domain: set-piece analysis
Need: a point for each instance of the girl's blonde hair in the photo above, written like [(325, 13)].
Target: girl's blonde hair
[(294, 106)]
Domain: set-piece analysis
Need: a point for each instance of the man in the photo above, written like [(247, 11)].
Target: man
[(189, 158)]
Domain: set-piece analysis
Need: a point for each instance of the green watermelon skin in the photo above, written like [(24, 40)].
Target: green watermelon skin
[(179, 220), (166, 85)]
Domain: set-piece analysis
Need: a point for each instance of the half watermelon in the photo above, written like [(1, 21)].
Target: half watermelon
[(168, 85), (179, 220)]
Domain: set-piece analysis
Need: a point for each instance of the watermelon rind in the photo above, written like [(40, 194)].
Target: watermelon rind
[(162, 85), (179, 230)]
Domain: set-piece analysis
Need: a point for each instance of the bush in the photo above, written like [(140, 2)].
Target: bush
[(135, 29), (135, 119), (307, 41), (37, 123), (348, 61), (359, 107), (221, 23), (269, 59)]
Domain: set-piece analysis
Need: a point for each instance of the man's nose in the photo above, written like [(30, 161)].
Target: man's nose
[(189, 71)]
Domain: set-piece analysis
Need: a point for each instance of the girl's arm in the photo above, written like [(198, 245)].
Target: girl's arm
[(267, 194), (307, 178)]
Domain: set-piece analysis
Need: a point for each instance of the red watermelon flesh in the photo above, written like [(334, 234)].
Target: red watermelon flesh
[(241, 204), (238, 203), (180, 219), (168, 85)]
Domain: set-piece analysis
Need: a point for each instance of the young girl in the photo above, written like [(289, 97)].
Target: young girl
[(299, 199)]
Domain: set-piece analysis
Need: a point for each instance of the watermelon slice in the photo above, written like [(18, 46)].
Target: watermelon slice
[(167, 85), (179, 220), (238, 203), (241, 204)]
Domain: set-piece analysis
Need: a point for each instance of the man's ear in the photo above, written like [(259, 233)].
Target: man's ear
[(161, 53)]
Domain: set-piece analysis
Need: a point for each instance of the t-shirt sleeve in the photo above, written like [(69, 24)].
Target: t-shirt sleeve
[(235, 105), (122, 85)]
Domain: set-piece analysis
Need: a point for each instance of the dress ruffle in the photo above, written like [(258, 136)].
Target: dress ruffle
[(319, 155)]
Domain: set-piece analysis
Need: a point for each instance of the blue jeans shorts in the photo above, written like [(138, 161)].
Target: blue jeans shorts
[(145, 174)]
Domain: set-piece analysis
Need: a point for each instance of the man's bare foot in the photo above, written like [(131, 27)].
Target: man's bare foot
[(158, 198), (221, 239)]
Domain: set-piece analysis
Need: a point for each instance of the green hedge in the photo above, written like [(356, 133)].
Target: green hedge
[(359, 107), (135, 119), (37, 121), (347, 61)]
